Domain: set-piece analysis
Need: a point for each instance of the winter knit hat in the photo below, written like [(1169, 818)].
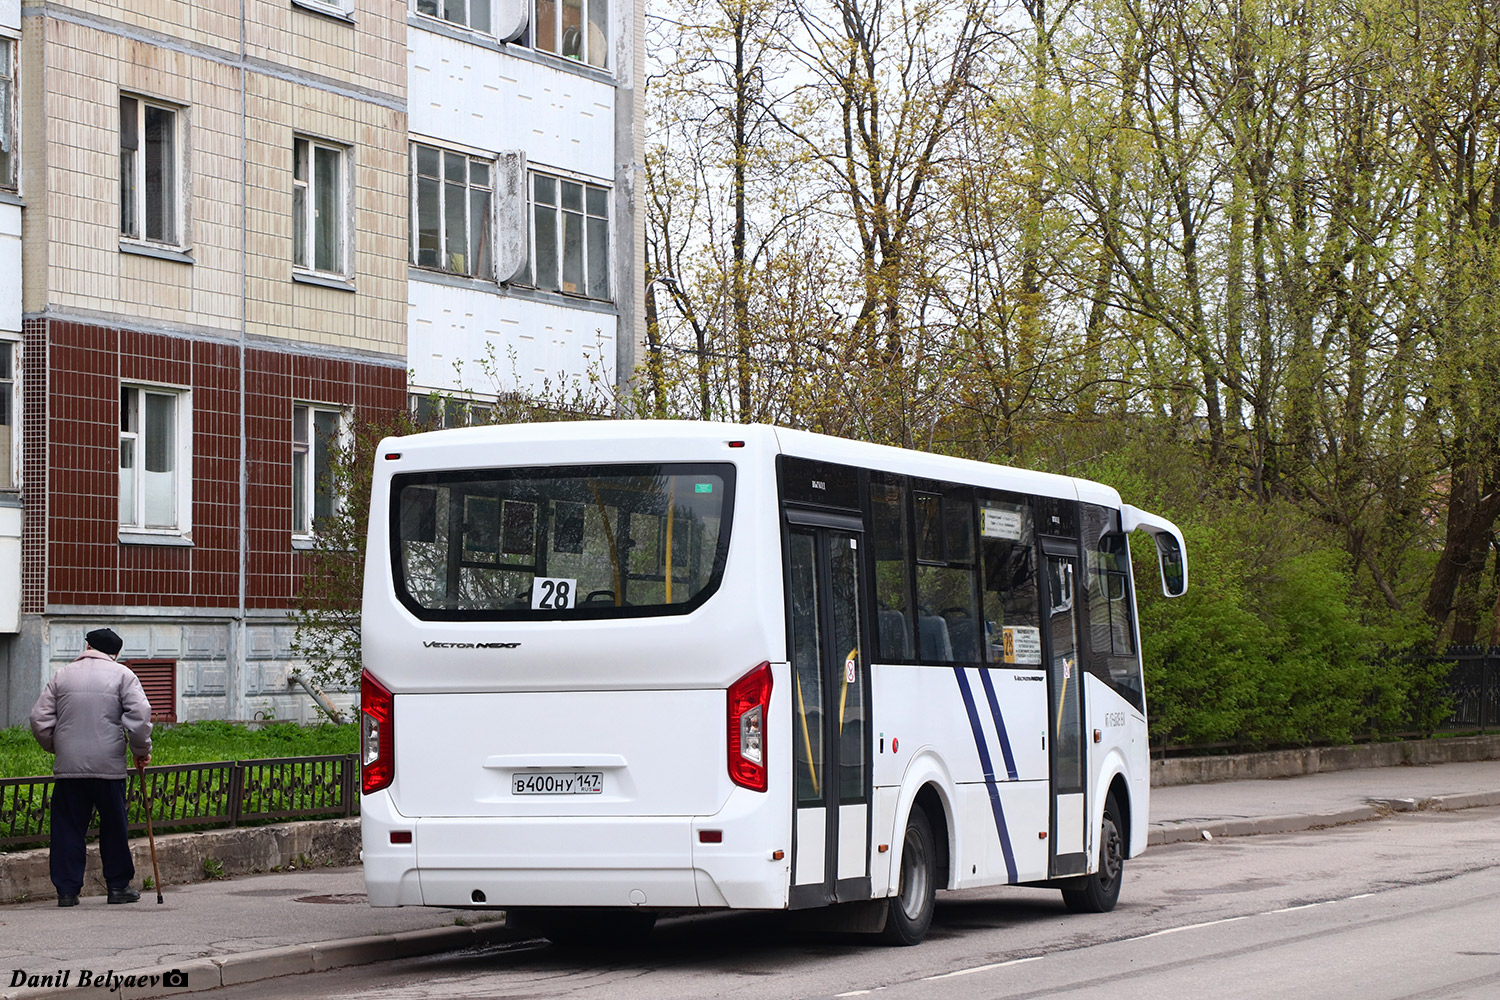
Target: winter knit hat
[(105, 641)]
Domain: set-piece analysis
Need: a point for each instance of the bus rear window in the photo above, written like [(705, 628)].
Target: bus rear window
[(568, 542)]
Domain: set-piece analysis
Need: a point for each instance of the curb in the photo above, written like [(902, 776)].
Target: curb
[(1186, 831), (270, 963)]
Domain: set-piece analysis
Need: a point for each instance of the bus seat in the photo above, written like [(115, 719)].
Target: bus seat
[(965, 638), (894, 644), (932, 634)]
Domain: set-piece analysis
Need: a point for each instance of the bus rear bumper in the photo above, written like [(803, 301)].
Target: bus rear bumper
[(651, 862)]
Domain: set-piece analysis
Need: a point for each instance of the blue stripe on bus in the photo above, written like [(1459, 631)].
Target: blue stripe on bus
[(989, 772), (989, 695)]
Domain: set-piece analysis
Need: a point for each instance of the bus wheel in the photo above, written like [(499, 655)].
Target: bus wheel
[(1101, 890), (910, 913)]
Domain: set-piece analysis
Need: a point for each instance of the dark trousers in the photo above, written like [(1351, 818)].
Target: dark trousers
[(73, 803)]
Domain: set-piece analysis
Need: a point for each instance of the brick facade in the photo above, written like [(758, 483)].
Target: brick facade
[(85, 561)]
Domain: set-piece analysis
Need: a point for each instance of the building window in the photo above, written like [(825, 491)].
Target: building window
[(150, 182), (570, 236), (316, 433), (469, 13), (433, 410), (320, 206), (155, 459), (451, 218), (7, 415), (573, 29), (7, 113)]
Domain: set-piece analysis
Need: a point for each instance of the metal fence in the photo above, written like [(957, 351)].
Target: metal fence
[(1474, 686), (195, 796)]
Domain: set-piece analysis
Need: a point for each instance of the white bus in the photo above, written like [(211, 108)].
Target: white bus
[(616, 669)]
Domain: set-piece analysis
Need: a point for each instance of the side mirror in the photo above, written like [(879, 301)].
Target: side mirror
[(1169, 551), (1173, 566)]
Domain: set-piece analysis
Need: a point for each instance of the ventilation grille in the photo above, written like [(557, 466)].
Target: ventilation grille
[(159, 678)]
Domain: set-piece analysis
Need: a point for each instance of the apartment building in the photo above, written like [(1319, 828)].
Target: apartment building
[(229, 227), (212, 256), (526, 163)]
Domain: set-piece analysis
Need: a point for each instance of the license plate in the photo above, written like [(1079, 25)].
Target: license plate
[(558, 783)]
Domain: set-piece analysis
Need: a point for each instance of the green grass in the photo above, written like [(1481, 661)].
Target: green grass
[(197, 743)]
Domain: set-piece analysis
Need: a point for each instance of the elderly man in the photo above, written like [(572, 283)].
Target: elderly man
[(82, 717)]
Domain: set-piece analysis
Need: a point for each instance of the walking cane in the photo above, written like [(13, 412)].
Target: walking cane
[(151, 837)]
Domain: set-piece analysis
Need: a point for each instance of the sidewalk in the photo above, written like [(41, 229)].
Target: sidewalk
[(258, 927)]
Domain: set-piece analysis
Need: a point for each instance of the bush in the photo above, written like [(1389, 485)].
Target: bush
[(197, 743), (1273, 645)]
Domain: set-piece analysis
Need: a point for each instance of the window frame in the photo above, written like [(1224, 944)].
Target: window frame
[(586, 55), (305, 523), (305, 214), (133, 216), (484, 255), (10, 132), (440, 13), (436, 410), (559, 212), (10, 414), (341, 9), (182, 448)]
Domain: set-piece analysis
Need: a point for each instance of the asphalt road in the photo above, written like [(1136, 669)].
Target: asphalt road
[(1407, 908)]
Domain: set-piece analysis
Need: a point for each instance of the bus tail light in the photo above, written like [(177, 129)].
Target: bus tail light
[(377, 742), (749, 704)]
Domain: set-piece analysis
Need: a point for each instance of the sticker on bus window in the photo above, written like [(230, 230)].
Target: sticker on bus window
[(1001, 522), (1023, 644), (703, 487), (553, 594)]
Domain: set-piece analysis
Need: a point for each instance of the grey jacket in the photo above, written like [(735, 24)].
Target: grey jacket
[(84, 713)]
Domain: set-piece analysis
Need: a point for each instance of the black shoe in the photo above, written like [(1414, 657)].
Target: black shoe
[(67, 900), (125, 895)]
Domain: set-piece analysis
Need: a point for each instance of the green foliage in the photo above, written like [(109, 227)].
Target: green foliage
[(196, 743), (1274, 643)]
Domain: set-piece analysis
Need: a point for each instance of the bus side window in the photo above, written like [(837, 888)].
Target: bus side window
[(1012, 601), (947, 619), (1110, 652), (891, 548)]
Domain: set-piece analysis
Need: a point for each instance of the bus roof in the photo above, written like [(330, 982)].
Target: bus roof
[(469, 447)]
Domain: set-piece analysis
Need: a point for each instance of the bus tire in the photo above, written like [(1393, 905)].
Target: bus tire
[(909, 913), (1101, 890)]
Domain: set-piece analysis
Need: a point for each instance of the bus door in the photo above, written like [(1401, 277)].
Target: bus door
[(1069, 838), (830, 762)]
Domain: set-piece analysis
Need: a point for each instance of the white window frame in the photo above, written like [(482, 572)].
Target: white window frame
[(482, 258), (307, 192), (559, 213), (9, 130), (134, 165), (586, 47), (10, 413), (307, 447), (134, 398), (459, 13), (338, 8)]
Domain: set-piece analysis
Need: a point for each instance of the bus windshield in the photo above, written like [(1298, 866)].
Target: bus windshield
[(560, 542)]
